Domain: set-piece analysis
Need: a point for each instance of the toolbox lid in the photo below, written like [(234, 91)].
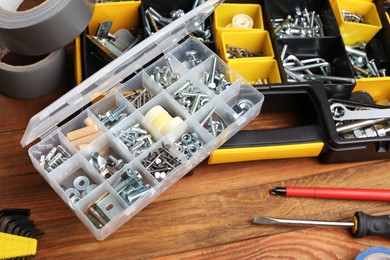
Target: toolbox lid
[(108, 78)]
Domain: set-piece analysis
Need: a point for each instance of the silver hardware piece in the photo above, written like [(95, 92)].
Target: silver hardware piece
[(300, 24), (344, 128), (81, 183), (214, 123), (372, 131), (161, 162), (131, 185), (242, 106), (189, 144), (103, 166), (135, 138), (364, 68), (56, 156), (352, 17), (341, 113), (138, 98), (90, 188), (167, 75), (292, 65), (190, 97), (192, 59), (109, 206), (118, 163), (234, 52), (111, 118), (72, 192)]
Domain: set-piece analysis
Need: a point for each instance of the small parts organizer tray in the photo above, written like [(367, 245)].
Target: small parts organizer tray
[(115, 156)]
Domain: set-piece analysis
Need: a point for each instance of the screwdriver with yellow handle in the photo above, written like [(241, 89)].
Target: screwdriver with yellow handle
[(362, 224)]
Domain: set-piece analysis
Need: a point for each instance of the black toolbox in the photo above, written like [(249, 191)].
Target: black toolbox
[(317, 135)]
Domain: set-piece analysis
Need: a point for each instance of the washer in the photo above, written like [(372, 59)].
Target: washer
[(81, 183), (72, 192)]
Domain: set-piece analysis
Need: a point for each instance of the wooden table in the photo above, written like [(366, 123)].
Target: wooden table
[(207, 215)]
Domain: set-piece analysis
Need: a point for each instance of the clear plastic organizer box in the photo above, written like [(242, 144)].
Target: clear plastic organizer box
[(106, 199)]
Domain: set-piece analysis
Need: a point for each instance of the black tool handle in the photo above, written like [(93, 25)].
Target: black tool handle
[(367, 225), (14, 211)]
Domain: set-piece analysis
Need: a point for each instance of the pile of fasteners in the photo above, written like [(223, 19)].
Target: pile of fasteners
[(136, 139), (139, 97), (131, 185), (81, 187), (214, 79), (189, 144), (352, 17), (190, 97), (363, 66), (301, 24), (166, 75), (106, 166), (111, 118), (234, 52), (56, 156), (214, 123), (161, 162)]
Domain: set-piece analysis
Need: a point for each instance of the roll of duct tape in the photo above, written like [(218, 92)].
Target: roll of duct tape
[(374, 253), (29, 77), (44, 28)]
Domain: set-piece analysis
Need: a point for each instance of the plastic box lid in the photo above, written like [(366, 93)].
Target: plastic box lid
[(109, 77)]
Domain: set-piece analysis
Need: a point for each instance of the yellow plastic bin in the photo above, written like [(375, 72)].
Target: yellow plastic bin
[(256, 40), (223, 17), (378, 87), (352, 32), (254, 70), (123, 14)]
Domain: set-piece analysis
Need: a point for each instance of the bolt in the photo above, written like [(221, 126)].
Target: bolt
[(98, 162), (280, 26), (55, 159), (176, 14), (118, 163), (212, 127), (51, 154), (170, 65), (195, 104), (208, 116), (382, 72), (344, 128), (63, 151), (113, 116), (192, 60), (152, 22)]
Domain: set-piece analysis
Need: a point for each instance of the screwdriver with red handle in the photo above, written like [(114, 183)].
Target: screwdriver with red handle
[(362, 224)]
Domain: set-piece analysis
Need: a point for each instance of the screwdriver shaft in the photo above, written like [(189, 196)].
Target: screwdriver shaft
[(270, 221)]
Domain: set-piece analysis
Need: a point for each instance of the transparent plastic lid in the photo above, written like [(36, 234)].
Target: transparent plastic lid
[(110, 76)]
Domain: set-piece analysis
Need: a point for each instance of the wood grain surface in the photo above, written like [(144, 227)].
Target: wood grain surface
[(204, 216)]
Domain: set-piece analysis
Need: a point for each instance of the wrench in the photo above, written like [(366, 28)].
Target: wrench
[(342, 113)]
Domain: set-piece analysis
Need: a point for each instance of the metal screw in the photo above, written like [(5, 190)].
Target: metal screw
[(136, 139), (118, 163), (192, 59), (111, 118), (151, 20)]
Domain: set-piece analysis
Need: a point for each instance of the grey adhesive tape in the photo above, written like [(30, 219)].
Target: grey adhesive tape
[(123, 39), (45, 28), (32, 79)]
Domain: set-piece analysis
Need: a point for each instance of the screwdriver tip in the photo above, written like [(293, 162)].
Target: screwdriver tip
[(278, 191), (263, 220)]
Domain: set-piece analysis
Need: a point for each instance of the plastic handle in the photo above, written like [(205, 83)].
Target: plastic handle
[(279, 136), (367, 225)]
